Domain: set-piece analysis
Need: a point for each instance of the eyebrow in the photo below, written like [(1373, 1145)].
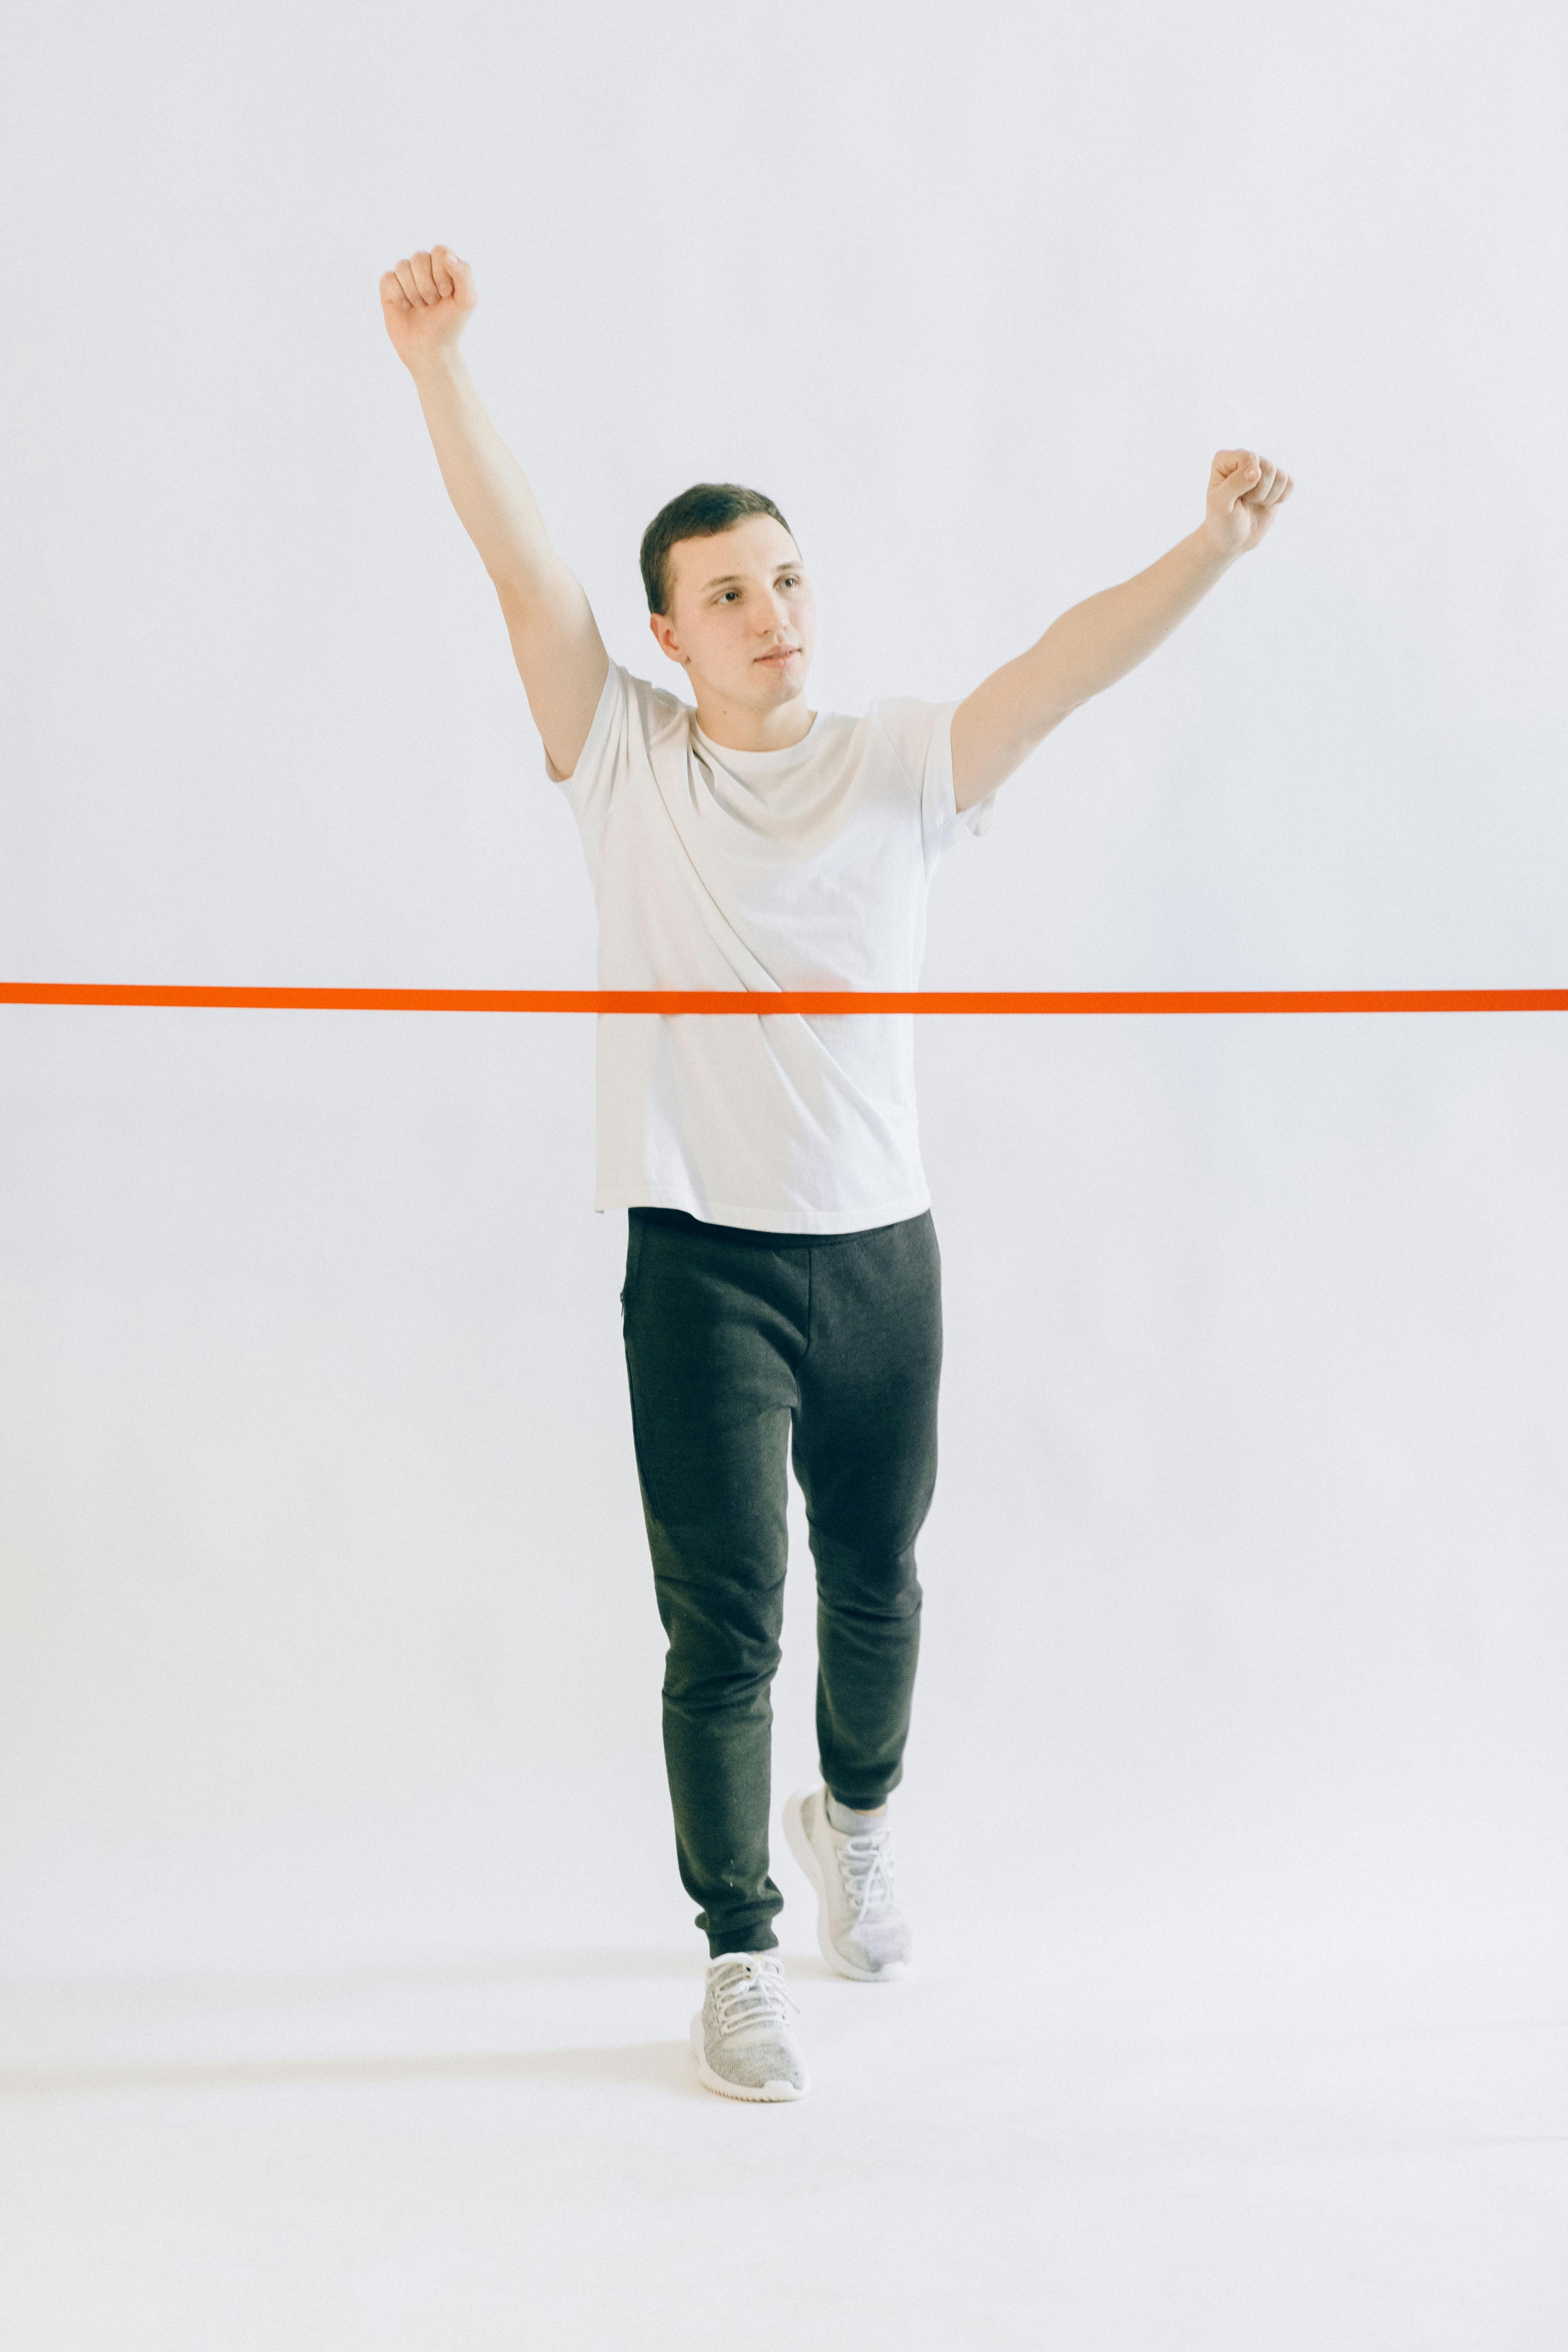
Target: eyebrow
[(737, 579)]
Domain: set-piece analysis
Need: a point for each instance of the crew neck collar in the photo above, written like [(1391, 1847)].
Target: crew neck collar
[(776, 758)]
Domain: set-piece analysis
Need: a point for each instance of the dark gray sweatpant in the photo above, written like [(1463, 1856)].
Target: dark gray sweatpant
[(742, 1347)]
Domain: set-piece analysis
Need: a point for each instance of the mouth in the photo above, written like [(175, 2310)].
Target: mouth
[(780, 654)]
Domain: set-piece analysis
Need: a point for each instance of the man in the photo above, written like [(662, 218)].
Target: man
[(782, 1279)]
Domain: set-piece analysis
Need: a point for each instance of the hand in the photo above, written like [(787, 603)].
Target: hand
[(426, 302), (1244, 491)]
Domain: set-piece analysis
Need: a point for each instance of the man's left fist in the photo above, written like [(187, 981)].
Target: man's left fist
[(1244, 491)]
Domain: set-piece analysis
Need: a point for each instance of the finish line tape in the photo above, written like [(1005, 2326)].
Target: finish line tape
[(795, 1000)]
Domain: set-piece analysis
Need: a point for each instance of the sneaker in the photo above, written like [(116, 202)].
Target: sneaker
[(745, 2047), (859, 1927)]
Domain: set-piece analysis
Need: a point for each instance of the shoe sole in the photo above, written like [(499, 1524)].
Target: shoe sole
[(805, 1854), (771, 2092)]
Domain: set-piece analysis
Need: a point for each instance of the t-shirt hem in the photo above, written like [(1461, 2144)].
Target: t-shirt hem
[(776, 1221)]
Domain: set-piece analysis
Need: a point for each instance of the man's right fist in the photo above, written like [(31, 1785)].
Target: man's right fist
[(427, 301)]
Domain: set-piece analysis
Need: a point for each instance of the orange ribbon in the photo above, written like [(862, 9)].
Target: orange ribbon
[(816, 1000)]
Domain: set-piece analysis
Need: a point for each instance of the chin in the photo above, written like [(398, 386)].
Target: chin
[(780, 685)]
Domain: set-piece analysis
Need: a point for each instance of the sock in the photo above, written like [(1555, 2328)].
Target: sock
[(843, 1818)]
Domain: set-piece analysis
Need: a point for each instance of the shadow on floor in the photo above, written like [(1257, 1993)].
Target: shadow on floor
[(645, 2065), (551, 1968), (171, 2002)]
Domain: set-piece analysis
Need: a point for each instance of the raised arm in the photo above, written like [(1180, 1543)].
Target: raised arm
[(426, 302), (1095, 642)]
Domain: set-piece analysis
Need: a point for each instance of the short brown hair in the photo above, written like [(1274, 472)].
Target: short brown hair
[(702, 512)]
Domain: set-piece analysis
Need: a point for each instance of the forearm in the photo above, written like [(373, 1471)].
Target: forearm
[(484, 481), (1095, 642)]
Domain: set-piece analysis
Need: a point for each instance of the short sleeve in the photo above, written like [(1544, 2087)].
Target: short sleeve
[(592, 781), (921, 735)]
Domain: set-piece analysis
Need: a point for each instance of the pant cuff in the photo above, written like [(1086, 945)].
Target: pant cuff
[(746, 1940)]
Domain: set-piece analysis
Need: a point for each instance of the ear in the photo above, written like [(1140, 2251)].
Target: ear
[(665, 638)]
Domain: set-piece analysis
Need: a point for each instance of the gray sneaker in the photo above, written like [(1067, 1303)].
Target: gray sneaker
[(860, 1929), (745, 2047)]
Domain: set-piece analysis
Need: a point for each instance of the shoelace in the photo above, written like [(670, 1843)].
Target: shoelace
[(752, 1993), (865, 1867)]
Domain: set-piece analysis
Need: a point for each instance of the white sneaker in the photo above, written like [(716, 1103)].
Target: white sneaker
[(745, 2047), (861, 1930)]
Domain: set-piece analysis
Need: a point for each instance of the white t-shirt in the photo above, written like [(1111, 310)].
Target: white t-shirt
[(802, 868)]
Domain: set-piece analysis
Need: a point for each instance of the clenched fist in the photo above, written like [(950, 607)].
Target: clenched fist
[(1244, 491), (426, 302)]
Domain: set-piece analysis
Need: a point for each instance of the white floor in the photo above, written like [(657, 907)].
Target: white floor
[(1047, 2154)]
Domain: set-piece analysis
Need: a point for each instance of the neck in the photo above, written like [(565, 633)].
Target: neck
[(735, 726)]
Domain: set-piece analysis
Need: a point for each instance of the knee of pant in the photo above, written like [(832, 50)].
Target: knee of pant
[(867, 1541), (709, 1687), (880, 1585), (717, 1660)]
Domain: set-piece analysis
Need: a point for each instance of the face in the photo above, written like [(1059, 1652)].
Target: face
[(742, 620)]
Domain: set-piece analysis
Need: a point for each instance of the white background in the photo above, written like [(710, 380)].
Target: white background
[(328, 1632)]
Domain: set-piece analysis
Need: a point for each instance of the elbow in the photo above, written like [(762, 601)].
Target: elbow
[(1040, 724), (525, 585)]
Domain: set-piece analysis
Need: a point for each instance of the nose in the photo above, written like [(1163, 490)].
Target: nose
[(772, 616)]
